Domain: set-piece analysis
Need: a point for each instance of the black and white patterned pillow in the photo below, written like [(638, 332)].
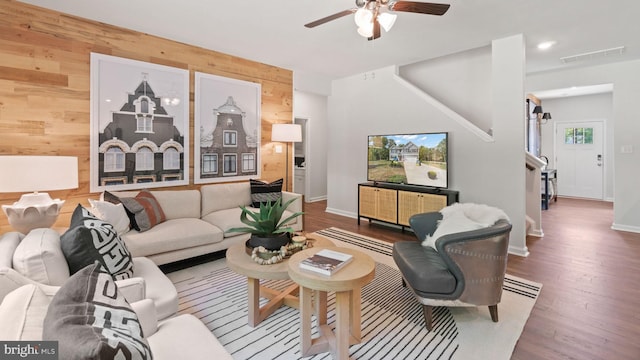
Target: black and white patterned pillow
[(90, 239), (263, 192), (90, 319)]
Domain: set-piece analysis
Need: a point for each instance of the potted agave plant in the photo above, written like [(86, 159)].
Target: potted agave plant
[(266, 226)]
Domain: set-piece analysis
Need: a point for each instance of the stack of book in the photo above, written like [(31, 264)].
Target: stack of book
[(326, 262)]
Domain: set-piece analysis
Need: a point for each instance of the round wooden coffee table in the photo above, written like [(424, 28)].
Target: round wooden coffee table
[(240, 262), (347, 284)]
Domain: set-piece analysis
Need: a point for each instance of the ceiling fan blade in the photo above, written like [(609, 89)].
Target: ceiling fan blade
[(420, 7), (376, 30), (330, 18)]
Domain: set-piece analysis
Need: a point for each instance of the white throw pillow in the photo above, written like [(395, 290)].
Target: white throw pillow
[(22, 312), (39, 257), (114, 214), (454, 223)]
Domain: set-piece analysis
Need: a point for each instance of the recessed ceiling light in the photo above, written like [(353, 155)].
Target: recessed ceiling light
[(545, 45)]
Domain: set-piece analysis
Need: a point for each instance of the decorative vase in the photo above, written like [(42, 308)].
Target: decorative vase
[(270, 242)]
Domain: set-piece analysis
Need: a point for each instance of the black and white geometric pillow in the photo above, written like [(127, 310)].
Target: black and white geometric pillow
[(90, 319), (90, 239)]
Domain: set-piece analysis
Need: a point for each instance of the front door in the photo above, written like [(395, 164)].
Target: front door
[(580, 159)]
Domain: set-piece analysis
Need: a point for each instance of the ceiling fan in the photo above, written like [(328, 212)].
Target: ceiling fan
[(370, 14)]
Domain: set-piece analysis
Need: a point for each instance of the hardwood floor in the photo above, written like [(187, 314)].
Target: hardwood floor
[(589, 304)]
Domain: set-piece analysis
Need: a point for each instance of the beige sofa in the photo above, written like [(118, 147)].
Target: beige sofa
[(38, 257), (197, 221), (23, 310)]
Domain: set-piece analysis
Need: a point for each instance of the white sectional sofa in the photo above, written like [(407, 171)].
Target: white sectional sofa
[(24, 304), (197, 221)]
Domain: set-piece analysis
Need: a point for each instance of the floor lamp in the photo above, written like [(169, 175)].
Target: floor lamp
[(287, 133), (36, 174)]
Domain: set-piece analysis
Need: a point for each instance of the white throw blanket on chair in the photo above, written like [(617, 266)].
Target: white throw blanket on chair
[(464, 217)]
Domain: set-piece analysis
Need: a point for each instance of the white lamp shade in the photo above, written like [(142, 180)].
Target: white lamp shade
[(286, 132), (38, 173)]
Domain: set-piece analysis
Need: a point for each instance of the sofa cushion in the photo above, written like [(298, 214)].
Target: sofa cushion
[(90, 319), (22, 312), (172, 235), (177, 204), (145, 209), (114, 214), (8, 244), (40, 258), (196, 341), (264, 192), (230, 218), (90, 239), (225, 196)]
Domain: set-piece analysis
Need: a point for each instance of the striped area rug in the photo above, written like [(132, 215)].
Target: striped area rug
[(392, 320)]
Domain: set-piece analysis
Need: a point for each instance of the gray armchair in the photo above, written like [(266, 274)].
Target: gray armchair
[(466, 270)]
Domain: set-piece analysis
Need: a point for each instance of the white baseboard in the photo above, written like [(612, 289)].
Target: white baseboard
[(628, 228), (524, 252), (315, 199), (341, 212), (536, 233)]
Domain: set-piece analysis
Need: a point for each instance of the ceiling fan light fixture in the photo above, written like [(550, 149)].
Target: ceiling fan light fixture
[(387, 20), (363, 17), (366, 30)]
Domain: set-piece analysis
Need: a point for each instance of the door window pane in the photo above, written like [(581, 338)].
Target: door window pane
[(578, 136)]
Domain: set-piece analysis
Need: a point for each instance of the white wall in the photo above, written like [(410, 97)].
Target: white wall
[(461, 81), (488, 172), (313, 108), (625, 77), (581, 108)]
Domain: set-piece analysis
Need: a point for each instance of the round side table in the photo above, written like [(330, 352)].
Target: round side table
[(240, 262), (347, 284)]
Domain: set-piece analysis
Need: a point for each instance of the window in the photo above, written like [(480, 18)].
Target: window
[(144, 159), (578, 136), (230, 138), (210, 163), (230, 167), (171, 159), (248, 162), (144, 109), (114, 159), (144, 124), (144, 106)]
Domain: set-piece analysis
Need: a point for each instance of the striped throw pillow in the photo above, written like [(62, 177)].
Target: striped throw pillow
[(263, 192)]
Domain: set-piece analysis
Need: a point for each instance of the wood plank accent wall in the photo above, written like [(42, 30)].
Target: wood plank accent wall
[(45, 83)]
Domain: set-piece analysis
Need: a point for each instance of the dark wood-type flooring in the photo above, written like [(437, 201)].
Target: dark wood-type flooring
[(589, 307)]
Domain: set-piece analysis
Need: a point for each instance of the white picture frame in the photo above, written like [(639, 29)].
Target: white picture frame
[(139, 124), (227, 124)]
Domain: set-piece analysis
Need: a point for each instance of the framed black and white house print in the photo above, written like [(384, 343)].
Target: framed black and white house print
[(139, 124), (226, 129)]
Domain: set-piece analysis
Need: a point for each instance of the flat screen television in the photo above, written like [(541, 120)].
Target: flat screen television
[(412, 159)]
